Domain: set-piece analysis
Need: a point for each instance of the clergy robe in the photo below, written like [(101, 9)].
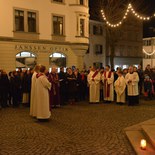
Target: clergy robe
[(42, 94), (55, 90), (108, 85), (33, 97), (94, 86), (120, 86), (132, 80)]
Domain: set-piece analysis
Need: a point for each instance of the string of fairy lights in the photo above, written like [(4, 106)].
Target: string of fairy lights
[(129, 9), (149, 54)]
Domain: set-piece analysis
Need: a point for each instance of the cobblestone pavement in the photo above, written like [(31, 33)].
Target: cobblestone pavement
[(81, 129)]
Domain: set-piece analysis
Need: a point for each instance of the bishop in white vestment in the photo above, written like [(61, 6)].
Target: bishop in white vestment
[(94, 85), (120, 86)]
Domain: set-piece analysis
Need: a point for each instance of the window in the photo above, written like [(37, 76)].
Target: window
[(130, 51), (19, 20), (57, 25), (94, 29), (148, 42), (31, 22), (98, 49), (82, 25), (144, 42), (25, 60), (97, 30), (88, 50), (81, 2), (98, 64), (60, 1), (25, 21)]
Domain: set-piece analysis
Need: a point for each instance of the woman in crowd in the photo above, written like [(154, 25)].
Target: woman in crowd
[(26, 87), (4, 89), (148, 87), (16, 89), (71, 86)]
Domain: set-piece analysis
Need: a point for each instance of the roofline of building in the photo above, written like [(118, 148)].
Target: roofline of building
[(146, 38)]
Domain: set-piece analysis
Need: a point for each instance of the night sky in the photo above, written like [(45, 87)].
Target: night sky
[(149, 27), (146, 8)]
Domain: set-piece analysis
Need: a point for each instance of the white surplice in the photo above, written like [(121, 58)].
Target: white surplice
[(120, 86), (109, 81), (42, 94), (33, 98), (132, 87), (94, 87)]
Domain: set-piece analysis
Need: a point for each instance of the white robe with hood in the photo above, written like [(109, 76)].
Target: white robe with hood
[(42, 94)]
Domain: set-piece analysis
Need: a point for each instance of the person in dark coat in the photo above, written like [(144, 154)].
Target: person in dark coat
[(147, 87), (71, 86), (62, 81), (26, 87), (141, 78), (83, 86), (148, 71), (78, 85), (4, 84), (16, 89), (10, 98)]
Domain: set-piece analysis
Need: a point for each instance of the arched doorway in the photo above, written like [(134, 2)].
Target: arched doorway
[(58, 60), (25, 60)]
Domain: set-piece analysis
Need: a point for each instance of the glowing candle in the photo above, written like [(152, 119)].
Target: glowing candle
[(143, 144)]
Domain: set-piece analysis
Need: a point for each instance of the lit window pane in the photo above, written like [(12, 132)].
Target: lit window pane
[(57, 55), (25, 54), (32, 55), (19, 20), (57, 25), (18, 55), (82, 22)]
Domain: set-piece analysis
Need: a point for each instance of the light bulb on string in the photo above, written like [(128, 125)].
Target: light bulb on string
[(129, 8)]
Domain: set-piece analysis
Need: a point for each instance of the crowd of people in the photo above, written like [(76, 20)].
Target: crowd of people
[(122, 85), (43, 90)]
